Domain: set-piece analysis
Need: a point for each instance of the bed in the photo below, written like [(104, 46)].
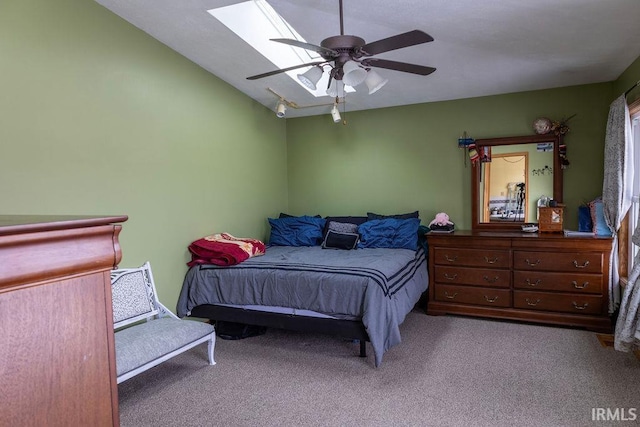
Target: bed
[(363, 293)]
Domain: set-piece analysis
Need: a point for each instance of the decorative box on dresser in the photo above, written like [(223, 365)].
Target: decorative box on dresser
[(544, 277), (57, 354)]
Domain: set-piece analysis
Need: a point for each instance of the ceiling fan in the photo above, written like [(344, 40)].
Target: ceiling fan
[(350, 58)]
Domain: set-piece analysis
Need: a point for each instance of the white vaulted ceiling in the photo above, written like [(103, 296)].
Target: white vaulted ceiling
[(481, 47)]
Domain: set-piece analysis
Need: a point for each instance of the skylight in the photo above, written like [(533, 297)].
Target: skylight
[(256, 22)]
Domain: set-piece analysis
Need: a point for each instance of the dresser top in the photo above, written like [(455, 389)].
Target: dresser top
[(18, 224), (516, 234)]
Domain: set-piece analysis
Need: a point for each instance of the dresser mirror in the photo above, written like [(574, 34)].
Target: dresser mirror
[(511, 176)]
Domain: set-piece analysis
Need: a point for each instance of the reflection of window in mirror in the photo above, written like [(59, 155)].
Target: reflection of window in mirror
[(505, 189)]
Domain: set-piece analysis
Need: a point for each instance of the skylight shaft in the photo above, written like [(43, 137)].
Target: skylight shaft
[(256, 22)]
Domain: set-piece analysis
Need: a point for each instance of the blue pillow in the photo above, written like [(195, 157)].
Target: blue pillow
[(296, 231), (584, 219), (389, 233), (414, 214), (600, 227)]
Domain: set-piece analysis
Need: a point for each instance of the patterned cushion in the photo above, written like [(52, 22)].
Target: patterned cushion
[(341, 235), (132, 295)]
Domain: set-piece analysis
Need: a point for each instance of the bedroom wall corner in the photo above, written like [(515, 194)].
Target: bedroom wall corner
[(628, 78)]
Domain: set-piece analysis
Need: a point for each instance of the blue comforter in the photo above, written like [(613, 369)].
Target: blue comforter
[(379, 286)]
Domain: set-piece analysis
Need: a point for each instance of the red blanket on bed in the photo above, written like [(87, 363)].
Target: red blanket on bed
[(223, 249)]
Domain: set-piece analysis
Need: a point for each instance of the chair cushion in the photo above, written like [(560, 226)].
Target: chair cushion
[(144, 342)]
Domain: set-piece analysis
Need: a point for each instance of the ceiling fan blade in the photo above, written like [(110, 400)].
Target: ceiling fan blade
[(398, 66), (282, 70), (308, 46), (399, 41)]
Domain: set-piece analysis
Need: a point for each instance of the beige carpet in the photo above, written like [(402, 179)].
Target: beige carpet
[(448, 371)]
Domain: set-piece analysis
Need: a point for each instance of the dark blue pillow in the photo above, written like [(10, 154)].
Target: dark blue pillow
[(389, 233), (584, 219), (415, 214), (286, 215), (296, 231)]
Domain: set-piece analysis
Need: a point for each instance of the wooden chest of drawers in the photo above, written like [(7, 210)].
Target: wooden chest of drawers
[(544, 278)]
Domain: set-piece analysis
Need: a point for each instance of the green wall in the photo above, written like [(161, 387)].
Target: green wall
[(97, 117), (401, 159), (626, 80)]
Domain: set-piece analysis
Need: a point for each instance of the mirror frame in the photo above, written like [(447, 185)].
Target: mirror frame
[(512, 140)]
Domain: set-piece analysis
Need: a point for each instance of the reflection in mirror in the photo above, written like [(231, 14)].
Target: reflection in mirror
[(513, 181), (513, 174)]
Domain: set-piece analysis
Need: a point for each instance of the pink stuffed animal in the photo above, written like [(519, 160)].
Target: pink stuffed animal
[(441, 219)]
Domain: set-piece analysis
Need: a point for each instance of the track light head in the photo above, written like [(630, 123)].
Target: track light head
[(335, 114), (281, 110)]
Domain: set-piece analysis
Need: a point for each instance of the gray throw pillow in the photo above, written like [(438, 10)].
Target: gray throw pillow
[(341, 235)]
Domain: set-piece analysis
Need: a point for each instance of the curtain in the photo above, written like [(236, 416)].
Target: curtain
[(627, 334), (617, 186)]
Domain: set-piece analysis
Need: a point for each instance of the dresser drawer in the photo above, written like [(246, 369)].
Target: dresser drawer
[(586, 262), (472, 276), (563, 282), (565, 303), (472, 257), (473, 295)]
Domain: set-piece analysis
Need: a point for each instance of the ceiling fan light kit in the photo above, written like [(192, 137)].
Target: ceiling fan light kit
[(353, 74), (311, 77), (335, 89), (374, 81), (351, 60)]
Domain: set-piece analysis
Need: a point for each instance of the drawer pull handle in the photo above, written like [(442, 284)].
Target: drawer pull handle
[(533, 304), (490, 280), (576, 265), (491, 299), (532, 263), (580, 307), (491, 261), (454, 259), (454, 277), (446, 295), (575, 285), (536, 283)]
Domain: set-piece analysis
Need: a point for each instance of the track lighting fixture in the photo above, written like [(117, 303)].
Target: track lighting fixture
[(335, 114), (281, 109)]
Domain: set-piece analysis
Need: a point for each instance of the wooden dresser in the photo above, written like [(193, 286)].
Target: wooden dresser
[(545, 277), (57, 359)]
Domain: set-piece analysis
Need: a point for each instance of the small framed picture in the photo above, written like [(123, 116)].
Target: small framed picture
[(485, 154)]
